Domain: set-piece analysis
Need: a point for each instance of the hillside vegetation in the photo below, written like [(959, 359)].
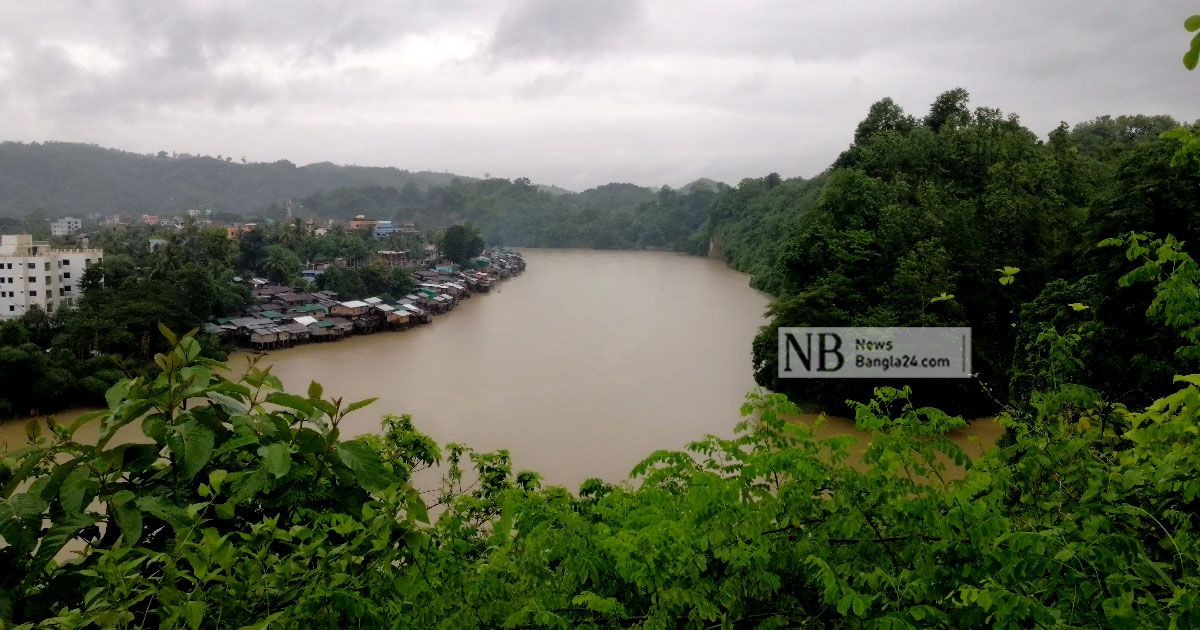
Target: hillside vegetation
[(917, 222), (73, 179)]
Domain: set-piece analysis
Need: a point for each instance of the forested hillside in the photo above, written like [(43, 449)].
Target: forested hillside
[(916, 223), (518, 213), (69, 178)]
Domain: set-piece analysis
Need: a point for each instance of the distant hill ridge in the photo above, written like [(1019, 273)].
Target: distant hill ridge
[(70, 178), (75, 178)]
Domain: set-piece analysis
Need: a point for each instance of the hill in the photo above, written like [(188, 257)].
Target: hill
[(72, 178)]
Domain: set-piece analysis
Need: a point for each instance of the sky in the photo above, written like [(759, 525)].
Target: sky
[(574, 93)]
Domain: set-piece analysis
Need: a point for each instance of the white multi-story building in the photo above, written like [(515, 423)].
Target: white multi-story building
[(31, 273), (65, 226)]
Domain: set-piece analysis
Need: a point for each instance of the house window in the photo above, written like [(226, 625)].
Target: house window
[(67, 262), (47, 265), (33, 294), (33, 265), (47, 279), (32, 279), (68, 287), (67, 275), (11, 307)]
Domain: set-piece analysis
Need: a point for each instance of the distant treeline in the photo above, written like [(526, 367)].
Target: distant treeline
[(518, 213), (65, 178)]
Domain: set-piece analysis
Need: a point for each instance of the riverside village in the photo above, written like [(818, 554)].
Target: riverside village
[(284, 316)]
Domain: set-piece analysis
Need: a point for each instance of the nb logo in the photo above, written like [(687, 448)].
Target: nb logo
[(829, 357)]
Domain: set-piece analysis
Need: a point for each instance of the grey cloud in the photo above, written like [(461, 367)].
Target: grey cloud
[(562, 29), (565, 91), (548, 84)]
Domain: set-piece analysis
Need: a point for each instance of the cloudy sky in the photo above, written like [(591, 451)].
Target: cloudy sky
[(569, 92)]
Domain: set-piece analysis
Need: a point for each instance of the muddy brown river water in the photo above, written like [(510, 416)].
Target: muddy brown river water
[(580, 367)]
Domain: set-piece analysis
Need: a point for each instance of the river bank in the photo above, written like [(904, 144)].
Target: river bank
[(282, 316), (579, 370)]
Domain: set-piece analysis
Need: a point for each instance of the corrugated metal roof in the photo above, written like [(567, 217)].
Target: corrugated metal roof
[(354, 304), (305, 319)]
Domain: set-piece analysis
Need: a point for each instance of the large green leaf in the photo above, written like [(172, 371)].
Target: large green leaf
[(230, 404), (193, 613), (193, 447), (291, 401), (27, 504), (77, 490), (415, 505), (129, 520), (368, 468), (63, 530), (355, 406), (277, 459), (309, 441)]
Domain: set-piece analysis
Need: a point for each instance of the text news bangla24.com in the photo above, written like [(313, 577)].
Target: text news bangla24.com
[(833, 352)]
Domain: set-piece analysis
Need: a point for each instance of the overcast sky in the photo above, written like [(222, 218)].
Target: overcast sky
[(568, 92)]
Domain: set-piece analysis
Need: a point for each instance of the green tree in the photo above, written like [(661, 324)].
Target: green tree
[(950, 107), (281, 264), (461, 242)]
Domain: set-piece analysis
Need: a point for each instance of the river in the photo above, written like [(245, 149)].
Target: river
[(580, 367)]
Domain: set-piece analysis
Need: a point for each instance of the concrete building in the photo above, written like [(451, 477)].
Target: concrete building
[(31, 273), (384, 228), (65, 226)]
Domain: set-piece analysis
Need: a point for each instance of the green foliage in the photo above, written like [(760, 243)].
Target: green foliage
[(460, 243), (281, 265), (57, 175), (516, 212), (244, 506), (971, 205), (70, 357), (240, 504), (1192, 24), (372, 280)]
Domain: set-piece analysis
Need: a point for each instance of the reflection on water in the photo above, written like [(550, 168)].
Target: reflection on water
[(580, 367)]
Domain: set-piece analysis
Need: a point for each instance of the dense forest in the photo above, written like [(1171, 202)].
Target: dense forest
[(518, 213), (59, 178), (78, 179), (917, 221)]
